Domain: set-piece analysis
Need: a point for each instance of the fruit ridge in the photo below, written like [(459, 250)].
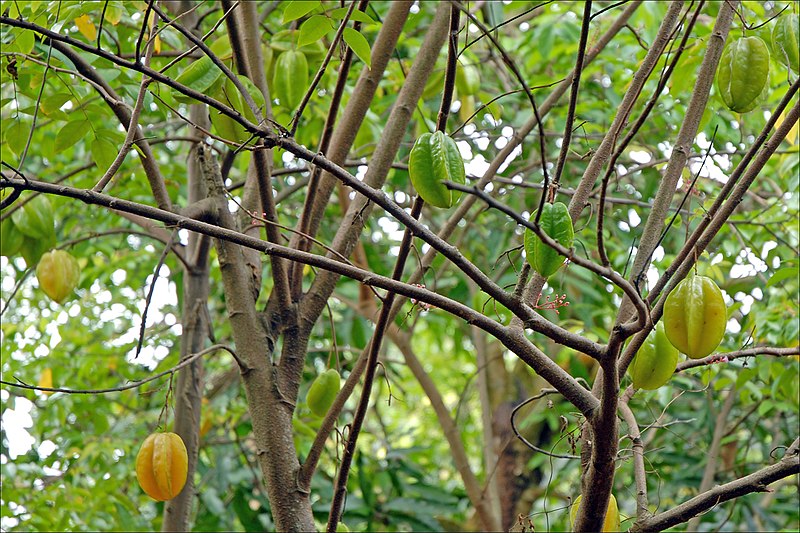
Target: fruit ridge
[(162, 465), (655, 361), (695, 316)]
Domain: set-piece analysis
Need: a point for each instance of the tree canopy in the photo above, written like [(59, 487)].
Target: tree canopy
[(457, 222)]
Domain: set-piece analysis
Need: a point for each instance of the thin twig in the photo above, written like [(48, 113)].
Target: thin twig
[(573, 99), (186, 362), (525, 441), (150, 292), (321, 70), (133, 126)]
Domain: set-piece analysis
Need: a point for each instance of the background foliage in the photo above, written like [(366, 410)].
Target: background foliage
[(70, 465)]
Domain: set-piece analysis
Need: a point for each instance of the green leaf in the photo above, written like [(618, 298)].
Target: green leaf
[(71, 134), (103, 152), (200, 76), (24, 41), (54, 102), (359, 44), (16, 136), (314, 29), (357, 16), (297, 8), (113, 13), (783, 274), (222, 48)]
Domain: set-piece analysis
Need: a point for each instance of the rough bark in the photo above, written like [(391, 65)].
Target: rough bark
[(189, 389), (270, 411)]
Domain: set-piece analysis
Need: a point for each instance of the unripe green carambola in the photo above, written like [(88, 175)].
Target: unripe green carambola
[(435, 158), (557, 224), (743, 73), (655, 361), (323, 391)]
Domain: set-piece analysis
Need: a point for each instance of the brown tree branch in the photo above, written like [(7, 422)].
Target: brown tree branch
[(124, 115), (730, 356), (136, 384), (712, 453), (639, 471), (270, 410), (756, 482)]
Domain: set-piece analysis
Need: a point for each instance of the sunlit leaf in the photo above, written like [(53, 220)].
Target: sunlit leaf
[(298, 8), (359, 44), (86, 27)]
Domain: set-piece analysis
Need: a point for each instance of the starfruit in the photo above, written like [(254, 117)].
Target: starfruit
[(654, 362), (290, 81), (695, 316), (323, 391), (11, 238), (58, 274), (35, 218), (743, 73), (785, 41), (435, 158), (557, 224), (162, 465), (611, 522)]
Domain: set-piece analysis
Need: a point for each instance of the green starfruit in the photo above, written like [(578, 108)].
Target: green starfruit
[(743, 73), (434, 159), (557, 224)]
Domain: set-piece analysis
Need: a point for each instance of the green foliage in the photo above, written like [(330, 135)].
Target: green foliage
[(71, 467)]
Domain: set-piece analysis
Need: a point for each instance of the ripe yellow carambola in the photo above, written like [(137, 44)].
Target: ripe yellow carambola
[(611, 522), (323, 391), (58, 274), (654, 362), (162, 465), (695, 316)]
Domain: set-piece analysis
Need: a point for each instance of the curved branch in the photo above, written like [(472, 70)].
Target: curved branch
[(639, 471), (512, 339), (730, 356), (186, 362), (755, 482)]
